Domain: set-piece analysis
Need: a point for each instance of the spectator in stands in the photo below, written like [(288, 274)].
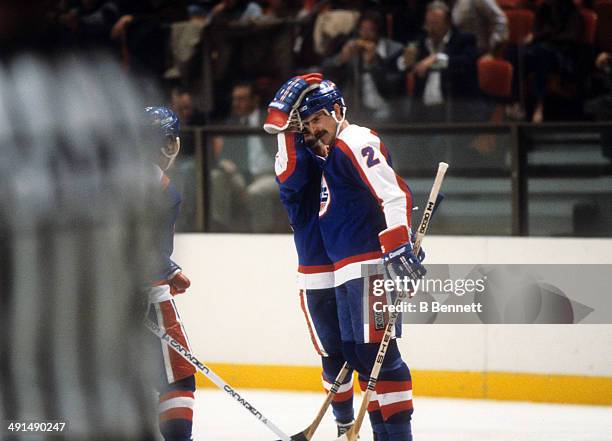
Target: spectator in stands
[(240, 11), (248, 159), (182, 104), (553, 47), (407, 18), (443, 63), (141, 29), (280, 9), (366, 69), (90, 21), (484, 19), (601, 106)]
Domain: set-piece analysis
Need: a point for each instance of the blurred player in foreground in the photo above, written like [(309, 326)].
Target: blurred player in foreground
[(364, 218), (298, 174), (176, 398)]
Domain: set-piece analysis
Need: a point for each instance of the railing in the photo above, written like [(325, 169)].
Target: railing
[(551, 179)]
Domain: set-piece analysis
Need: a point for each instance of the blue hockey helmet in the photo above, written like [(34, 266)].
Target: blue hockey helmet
[(165, 119), (165, 122), (322, 98)]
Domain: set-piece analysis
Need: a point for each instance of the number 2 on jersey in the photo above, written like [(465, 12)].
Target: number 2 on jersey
[(369, 152)]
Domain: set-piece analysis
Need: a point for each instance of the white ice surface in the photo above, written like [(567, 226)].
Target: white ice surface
[(217, 417)]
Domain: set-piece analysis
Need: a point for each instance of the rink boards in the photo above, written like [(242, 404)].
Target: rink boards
[(243, 317)]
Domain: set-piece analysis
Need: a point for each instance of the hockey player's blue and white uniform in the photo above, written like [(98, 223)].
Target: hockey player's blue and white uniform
[(361, 195), (298, 174)]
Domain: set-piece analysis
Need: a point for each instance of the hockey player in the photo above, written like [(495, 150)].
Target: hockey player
[(176, 394), (365, 218), (298, 175)]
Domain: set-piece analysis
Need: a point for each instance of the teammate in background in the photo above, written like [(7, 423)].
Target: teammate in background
[(364, 218), (176, 393), (298, 175)]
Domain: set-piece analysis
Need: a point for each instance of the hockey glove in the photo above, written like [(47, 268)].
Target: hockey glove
[(179, 283), (282, 110), (398, 255)]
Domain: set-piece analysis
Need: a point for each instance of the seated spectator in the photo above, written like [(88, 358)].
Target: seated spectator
[(553, 47), (601, 106), (484, 19), (184, 173), (181, 101), (366, 69), (235, 11), (141, 28), (444, 66), (182, 104), (279, 9), (91, 21), (247, 162)]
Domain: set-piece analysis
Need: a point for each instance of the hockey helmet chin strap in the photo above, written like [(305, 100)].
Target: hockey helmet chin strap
[(171, 157), (339, 121)]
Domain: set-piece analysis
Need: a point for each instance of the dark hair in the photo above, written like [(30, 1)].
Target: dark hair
[(373, 16), (440, 5), (251, 85)]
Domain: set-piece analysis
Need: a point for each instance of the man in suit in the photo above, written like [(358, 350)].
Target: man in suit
[(245, 167), (443, 63), (366, 68)]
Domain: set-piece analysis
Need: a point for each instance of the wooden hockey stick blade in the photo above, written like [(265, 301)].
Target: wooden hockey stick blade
[(299, 436), (308, 432)]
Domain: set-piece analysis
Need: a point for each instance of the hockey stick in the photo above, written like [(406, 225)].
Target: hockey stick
[(218, 381), (352, 434), (308, 432)]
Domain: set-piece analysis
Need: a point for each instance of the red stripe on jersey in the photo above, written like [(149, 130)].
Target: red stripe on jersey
[(175, 394), (402, 185), (391, 409), (383, 149), (291, 158), (176, 413), (312, 336), (180, 367), (349, 153), (385, 387), (315, 269), (357, 258), (406, 190)]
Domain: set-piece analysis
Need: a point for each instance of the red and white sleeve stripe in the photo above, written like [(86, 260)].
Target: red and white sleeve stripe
[(286, 158)]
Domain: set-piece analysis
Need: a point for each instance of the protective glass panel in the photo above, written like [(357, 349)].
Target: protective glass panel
[(570, 182), (477, 185)]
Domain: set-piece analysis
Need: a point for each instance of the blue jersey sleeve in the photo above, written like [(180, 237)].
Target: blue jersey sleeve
[(296, 165), (171, 201), (298, 175)]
